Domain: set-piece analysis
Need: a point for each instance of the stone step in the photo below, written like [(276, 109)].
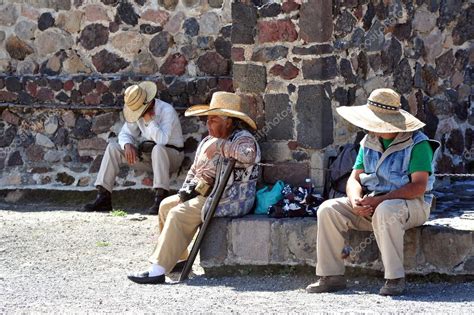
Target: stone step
[(261, 241), (131, 200)]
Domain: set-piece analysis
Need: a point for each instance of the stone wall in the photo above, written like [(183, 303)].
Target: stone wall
[(66, 63), (298, 62)]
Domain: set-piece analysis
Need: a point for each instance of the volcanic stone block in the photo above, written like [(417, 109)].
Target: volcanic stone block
[(276, 31), (244, 20), (175, 64), (364, 247), (160, 43), (289, 172), (191, 27), (94, 35), (287, 72), (214, 251), (15, 159), (278, 117), (346, 71), (91, 146), (313, 50), (313, 110), (17, 49), (45, 21), (245, 248), (65, 178), (242, 34), (375, 37), (223, 47), (34, 153), (316, 24), (463, 31), (245, 14), (320, 68), (213, 63), (103, 122), (294, 241), (270, 10), (127, 13), (403, 77), (107, 62), (250, 78), (266, 54), (454, 245)]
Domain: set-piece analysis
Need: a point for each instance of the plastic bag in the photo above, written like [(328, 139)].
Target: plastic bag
[(267, 198)]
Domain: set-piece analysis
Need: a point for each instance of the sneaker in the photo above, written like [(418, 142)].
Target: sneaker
[(327, 284), (393, 287), (102, 202)]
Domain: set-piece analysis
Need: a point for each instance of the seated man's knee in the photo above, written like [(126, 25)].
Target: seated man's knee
[(387, 210), (168, 203), (113, 146), (325, 209), (158, 149)]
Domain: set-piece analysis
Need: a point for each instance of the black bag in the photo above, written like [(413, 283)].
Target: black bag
[(340, 168)]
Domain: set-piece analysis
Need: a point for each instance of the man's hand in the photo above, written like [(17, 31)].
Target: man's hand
[(130, 153), (362, 210), (373, 202)]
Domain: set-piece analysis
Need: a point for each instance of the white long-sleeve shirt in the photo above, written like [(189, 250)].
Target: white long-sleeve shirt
[(164, 128)]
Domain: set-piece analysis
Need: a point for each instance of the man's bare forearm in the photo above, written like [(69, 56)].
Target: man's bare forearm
[(353, 187), (409, 191)]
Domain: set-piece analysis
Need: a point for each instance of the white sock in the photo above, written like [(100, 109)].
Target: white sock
[(156, 270)]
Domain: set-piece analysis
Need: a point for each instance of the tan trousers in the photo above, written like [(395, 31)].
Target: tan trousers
[(177, 224), (389, 222), (162, 162)]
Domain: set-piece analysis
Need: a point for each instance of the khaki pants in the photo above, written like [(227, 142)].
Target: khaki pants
[(162, 162), (389, 222), (177, 224)]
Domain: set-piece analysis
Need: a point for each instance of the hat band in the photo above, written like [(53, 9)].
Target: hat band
[(383, 106)]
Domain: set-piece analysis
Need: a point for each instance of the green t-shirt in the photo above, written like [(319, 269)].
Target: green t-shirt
[(420, 160)]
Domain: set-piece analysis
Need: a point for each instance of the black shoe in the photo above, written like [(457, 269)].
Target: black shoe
[(179, 266), (159, 196), (144, 278), (103, 201)]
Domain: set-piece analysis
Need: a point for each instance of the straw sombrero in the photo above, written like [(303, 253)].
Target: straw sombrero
[(222, 104), (137, 100), (382, 114)]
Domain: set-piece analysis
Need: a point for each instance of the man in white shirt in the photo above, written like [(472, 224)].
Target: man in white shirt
[(158, 123)]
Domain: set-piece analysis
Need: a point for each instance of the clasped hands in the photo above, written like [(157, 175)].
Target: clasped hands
[(366, 205)]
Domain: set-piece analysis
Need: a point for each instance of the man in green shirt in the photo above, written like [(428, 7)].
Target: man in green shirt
[(387, 192)]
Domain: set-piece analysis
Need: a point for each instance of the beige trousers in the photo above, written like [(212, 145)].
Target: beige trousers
[(389, 222), (162, 162), (177, 224)]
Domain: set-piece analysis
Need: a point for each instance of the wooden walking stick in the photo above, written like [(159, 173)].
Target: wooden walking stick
[(210, 214)]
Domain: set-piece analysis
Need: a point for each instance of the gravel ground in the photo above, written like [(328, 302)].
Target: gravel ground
[(66, 261)]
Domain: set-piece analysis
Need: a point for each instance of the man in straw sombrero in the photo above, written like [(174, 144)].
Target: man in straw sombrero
[(158, 123), (181, 214), (387, 192)]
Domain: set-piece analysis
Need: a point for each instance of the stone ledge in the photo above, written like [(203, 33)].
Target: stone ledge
[(131, 200), (259, 241)]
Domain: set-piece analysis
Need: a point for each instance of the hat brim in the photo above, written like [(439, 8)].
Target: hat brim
[(365, 118), (150, 90), (204, 110)]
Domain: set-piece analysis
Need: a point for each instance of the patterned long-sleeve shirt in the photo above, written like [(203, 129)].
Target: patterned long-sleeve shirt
[(243, 149)]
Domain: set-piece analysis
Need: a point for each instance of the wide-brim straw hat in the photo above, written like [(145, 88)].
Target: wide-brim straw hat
[(137, 100), (382, 114), (222, 104)]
